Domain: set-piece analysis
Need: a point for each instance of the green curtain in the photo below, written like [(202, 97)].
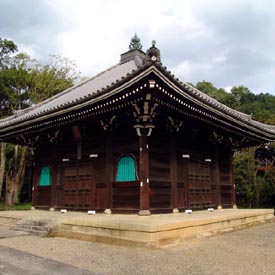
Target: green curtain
[(45, 176), (126, 170)]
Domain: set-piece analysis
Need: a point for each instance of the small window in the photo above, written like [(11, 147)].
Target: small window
[(126, 169), (45, 176)]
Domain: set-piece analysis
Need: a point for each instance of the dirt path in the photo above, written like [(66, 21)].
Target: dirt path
[(249, 251)]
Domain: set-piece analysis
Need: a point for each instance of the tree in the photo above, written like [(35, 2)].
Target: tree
[(2, 165), (219, 94), (7, 47), (254, 183), (51, 78), (15, 175), (23, 82)]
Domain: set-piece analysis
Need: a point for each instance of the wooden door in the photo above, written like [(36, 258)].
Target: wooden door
[(77, 186), (199, 184)]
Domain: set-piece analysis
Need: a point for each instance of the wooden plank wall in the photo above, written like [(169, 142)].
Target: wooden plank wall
[(182, 182), (226, 186), (125, 194), (159, 171)]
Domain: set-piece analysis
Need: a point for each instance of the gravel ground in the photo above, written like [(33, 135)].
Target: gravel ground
[(249, 251)]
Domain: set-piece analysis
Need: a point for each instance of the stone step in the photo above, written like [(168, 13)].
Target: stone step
[(31, 227), (33, 222), (34, 227), (32, 232)]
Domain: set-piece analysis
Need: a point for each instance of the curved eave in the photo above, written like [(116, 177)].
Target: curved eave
[(102, 94), (263, 132)]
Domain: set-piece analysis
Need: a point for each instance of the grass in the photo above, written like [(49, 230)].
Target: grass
[(20, 206)]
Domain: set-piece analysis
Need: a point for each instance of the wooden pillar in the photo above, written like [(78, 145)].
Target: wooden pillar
[(173, 174), (144, 175), (232, 180), (109, 172), (54, 175), (93, 185), (34, 185), (217, 178), (186, 182)]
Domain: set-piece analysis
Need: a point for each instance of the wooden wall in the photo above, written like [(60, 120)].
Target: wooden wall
[(89, 182), (125, 195), (225, 181), (159, 171)]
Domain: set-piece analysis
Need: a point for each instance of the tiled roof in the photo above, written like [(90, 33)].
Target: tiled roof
[(211, 102), (133, 63), (77, 93)]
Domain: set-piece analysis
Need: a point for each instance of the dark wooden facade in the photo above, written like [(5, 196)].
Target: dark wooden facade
[(179, 166), (180, 140)]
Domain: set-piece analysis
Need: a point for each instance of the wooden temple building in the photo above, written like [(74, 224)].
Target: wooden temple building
[(133, 138)]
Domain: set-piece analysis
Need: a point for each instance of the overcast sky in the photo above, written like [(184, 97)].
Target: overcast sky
[(226, 42)]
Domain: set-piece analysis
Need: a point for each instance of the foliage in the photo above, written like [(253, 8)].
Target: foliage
[(52, 78), (24, 82), (19, 206), (257, 186), (7, 47), (261, 106)]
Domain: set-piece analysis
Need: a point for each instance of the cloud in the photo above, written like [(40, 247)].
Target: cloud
[(33, 25), (227, 42)]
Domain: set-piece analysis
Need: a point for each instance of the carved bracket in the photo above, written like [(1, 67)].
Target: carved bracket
[(144, 114), (174, 124), (107, 124)]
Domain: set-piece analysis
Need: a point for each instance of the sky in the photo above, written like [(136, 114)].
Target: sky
[(225, 42)]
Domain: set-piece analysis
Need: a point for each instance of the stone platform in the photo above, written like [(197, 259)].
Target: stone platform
[(152, 231)]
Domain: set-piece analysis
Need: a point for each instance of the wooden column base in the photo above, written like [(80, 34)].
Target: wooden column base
[(144, 212), (107, 211), (235, 206)]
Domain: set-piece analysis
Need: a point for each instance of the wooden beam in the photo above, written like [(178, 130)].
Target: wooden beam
[(79, 150), (144, 175), (76, 132)]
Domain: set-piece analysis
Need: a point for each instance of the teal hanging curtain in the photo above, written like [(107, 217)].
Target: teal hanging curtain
[(45, 176), (126, 170)]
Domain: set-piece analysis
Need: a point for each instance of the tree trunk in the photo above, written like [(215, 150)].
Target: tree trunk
[(2, 166), (9, 191), (15, 176), (19, 178)]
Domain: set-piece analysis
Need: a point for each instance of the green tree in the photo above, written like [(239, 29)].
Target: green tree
[(257, 185), (219, 94), (7, 47), (23, 82), (52, 78)]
